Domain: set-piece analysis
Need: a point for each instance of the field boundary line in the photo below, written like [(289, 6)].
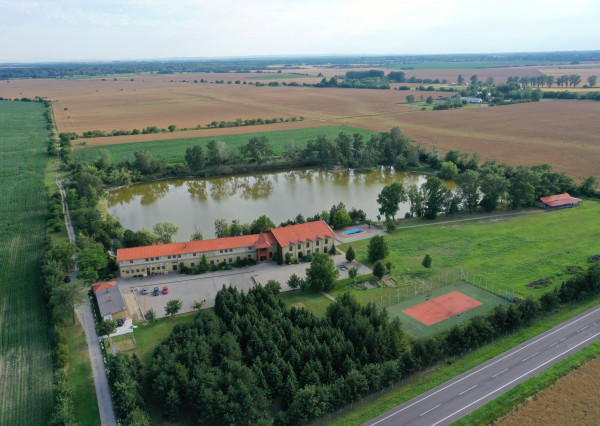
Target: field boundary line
[(471, 218)]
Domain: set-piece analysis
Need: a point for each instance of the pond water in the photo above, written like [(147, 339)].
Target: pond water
[(195, 203)]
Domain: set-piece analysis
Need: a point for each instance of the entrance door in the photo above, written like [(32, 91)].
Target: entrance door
[(263, 258), (174, 267)]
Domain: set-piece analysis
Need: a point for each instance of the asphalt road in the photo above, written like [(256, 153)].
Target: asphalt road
[(458, 397)]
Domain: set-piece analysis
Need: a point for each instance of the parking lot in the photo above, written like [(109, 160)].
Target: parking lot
[(190, 288)]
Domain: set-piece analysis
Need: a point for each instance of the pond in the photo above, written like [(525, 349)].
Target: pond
[(195, 203)]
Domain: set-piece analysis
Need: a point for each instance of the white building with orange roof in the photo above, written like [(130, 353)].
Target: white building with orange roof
[(298, 240)]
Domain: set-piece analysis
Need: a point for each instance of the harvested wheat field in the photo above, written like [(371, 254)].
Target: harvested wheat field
[(572, 400), (563, 133)]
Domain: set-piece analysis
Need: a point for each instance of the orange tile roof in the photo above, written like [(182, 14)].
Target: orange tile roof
[(187, 247), (554, 197), (101, 286), (302, 232), (559, 200), (284, 236)]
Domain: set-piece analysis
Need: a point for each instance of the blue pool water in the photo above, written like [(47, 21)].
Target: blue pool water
[(353, 231)]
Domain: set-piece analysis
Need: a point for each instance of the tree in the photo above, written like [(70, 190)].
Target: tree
[(173, 307), (350, 255), (198, 305), (197, 235), (221, 228), (468, 189), (341, 219), (416, 200), (460, 79), (474, 79), (378, 248), (352, 273), (322, 273), (448, 171), (434, 196), (294, 281), (63, 253), (592, 79), (493, 186), (263, 223), (410, 99), (379, 269), (172, 128), (68, 296), (427, 261), (106, 327), (588, 186), (257, 149), (429, 100), (103, 161), (165, 231), (389, 199), (151, 316), (195, 158), (521, 191)]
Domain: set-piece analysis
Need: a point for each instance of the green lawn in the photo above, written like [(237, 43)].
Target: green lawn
[(173, 150), (81, 379), (25, 351), (510, 252), (314, 302), (149, 336)]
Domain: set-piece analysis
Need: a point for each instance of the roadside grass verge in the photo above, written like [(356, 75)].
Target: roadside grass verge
[(520, 393), (363, 412), (510, 252), (81, 378), (173, 150), (315, 302)]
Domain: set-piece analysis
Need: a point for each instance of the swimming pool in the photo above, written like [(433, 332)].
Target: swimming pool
[(353, 231)]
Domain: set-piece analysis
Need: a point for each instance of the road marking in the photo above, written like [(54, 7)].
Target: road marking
[(549, 333), (430, 410), (514, 380), (564, 338), (553, 344), (497, 374), (581, 329), (530, 356), (465, 391)]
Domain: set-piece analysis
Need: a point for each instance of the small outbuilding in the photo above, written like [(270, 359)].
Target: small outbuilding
[(560, 201), (110, 301)]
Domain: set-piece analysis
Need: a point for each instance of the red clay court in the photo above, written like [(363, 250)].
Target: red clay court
[(442, 307)]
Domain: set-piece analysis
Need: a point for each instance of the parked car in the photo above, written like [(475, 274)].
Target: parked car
[(155, 292), (145, 290), (165, 290)]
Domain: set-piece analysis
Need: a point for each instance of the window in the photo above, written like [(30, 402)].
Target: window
[(194, 254), (250, 248), (291, 247), (192, 264), (146, 259), (168, 257), (317, 243), (230, 260), (326, 240), (270, 255), (316, 250), (137, 270), (179, 256), (220, 251), (230, 250), (163, 267), (212, 262), (249, 256)]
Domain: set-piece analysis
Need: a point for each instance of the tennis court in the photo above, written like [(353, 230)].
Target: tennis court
[(468, 303)]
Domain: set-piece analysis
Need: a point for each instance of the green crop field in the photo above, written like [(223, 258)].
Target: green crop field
[(173, 150), (25, 352), (508, 251)]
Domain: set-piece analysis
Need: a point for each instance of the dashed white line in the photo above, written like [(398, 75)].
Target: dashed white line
[(465, 391), (581, 329), (553, 344), (430, 410), (517, 379), (530, 356), (497, 374), (564, 338)]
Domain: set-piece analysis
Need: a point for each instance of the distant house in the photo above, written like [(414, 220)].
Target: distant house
[(110, 301), (472, 100), (560, 201)]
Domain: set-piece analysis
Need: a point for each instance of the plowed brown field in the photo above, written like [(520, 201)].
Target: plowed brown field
[(563, 133), (573, 400)]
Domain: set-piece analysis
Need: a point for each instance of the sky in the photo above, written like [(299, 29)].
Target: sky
[(72, 30)]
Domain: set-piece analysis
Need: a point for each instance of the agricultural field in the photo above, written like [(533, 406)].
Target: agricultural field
[(25, 352), (571, 400), (173, 150), (507, 252)]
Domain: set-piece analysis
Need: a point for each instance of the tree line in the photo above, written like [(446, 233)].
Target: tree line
[(301, 367)]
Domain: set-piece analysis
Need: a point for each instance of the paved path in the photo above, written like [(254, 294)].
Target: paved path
[(329, 296), (458, 397), (84, 313)]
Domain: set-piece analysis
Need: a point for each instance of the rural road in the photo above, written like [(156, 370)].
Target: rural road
[(85, 316), (458, 397)]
